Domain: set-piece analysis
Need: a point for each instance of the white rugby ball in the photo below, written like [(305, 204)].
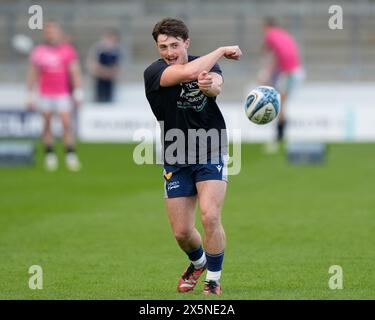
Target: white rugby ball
[(262, 104)]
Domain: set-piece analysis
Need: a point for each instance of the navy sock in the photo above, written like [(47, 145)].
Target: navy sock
[(69, 149), (49, 148), (214, 261), (195, 254), (280, 130)]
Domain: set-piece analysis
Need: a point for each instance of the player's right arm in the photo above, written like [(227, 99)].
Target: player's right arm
[(178, 73), (31, 80)]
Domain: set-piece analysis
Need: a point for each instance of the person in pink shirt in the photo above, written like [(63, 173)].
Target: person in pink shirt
[(284, 71), (55, 70)]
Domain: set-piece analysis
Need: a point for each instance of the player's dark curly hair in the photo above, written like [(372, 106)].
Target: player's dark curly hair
[(171, 27)]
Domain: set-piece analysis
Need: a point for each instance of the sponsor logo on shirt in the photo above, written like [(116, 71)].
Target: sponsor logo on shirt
[(191, 97)]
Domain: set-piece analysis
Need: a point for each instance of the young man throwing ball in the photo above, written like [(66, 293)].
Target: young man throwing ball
[(182, 90)]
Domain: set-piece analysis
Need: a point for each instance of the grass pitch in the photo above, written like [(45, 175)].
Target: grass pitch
[(103, 233)]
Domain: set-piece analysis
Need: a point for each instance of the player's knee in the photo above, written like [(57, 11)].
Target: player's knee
[(182, 234), (210, 219), (47, 129), (66, 121), (67, 127)]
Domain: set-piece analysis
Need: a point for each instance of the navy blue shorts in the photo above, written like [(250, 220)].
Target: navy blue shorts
[(180, 181)]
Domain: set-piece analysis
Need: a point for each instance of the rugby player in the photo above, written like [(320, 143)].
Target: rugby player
[(54, 67), (182, 90)]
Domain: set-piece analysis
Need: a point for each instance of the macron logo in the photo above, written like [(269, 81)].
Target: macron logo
[(219, 167)]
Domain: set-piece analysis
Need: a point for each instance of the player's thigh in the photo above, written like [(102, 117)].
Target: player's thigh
[(180, 194), (294, 82), (64, 107), (47, 119), (181, 213), (211, 195), (289, 82)]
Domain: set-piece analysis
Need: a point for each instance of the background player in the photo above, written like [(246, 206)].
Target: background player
[(283, 71), (55, 68), (103, 63)]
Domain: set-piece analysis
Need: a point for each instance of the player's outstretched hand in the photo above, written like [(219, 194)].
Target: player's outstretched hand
[(77, 96), (233, 52), (205, 81)]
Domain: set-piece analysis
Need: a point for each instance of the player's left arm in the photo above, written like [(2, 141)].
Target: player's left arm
[(210, 83), (76, 78)]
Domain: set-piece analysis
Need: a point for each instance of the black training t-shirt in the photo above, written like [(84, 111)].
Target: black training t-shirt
[(201, 127)]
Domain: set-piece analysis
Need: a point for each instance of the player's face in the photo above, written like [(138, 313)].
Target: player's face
[(110, 40), (52, 33), (173, 50)]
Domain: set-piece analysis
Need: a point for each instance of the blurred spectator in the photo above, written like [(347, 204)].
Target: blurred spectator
[(103, 64), (284, 71)]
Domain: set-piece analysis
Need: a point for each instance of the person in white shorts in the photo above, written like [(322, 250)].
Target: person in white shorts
[(55, 68), (284, 71)]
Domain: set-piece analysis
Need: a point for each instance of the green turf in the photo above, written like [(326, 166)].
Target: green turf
[(103, 233)]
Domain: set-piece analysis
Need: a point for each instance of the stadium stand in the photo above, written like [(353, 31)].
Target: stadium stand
[(328, 55)]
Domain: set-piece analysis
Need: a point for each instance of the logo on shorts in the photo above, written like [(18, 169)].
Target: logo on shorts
[(173, 185), (168, 176), (219, 167)]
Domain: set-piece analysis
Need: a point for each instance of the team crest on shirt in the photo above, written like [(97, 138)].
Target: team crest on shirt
[(191, 97)]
